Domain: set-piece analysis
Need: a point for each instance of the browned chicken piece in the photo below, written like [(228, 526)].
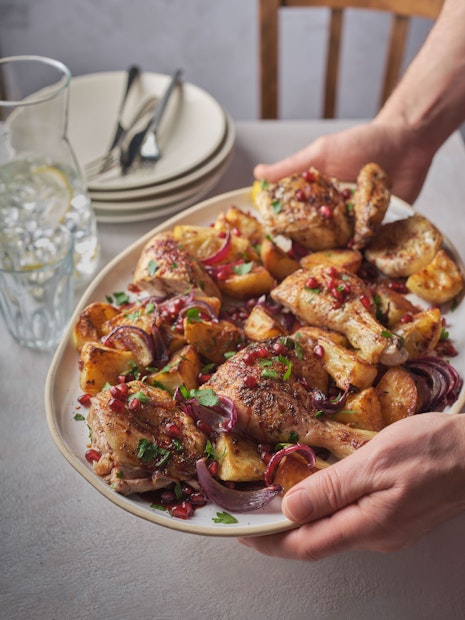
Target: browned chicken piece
[(271, 385), (165, 268), (371, 200), (137, 449), (308, 208), (326, 296)]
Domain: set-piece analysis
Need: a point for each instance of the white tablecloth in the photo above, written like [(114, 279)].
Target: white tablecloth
[(67, 552)]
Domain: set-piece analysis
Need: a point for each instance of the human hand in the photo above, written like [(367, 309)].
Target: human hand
[(343, 154), (395, 489)]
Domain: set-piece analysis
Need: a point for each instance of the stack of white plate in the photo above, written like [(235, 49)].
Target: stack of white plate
[(196, 138)]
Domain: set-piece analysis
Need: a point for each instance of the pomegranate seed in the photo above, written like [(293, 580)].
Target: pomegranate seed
[(85, 399), (366, 303), (122, 378), (326, 212), (222, 274), (120, 391), (346, 193), (135, 404), (318, 351), (92, 455), (116, 405), (198, 499), (173, 430), (262, 353), (133, 288), (213, 468), (248, 358), (204, 377), (333, 272), (399, 287), (178, 304), (312, 282), (250, 381), (184, 510), (300, 195), (222, 234), (204, 426), (279, 348), (167, 497), (406, 318), (308, 176), (236, 231)]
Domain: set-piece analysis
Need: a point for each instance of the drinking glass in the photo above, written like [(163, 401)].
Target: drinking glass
[(41, 185), (36, 284)]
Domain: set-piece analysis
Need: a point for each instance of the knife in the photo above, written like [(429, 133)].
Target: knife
[(129, 155), (132, 74)]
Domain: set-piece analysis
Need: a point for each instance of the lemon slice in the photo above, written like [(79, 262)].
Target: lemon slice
[(53, 193)]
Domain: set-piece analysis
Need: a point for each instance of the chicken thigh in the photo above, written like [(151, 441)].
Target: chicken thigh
[(371, 200), (334, 298), (308, 208), (146, 447), (271, 386)]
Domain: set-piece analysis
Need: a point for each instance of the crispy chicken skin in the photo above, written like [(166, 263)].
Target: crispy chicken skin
[(116, 436), (371, 200), (165, 268), (308, 208), (327, 296), (280, 404)]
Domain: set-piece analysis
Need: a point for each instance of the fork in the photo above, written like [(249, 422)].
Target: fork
[(111, 159)]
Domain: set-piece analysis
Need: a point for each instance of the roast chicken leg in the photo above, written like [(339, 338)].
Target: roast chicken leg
[(271, 386), (331, 297), (136, 446)]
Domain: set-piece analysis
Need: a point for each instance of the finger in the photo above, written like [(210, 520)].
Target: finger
[(331, 489), (297, 162)]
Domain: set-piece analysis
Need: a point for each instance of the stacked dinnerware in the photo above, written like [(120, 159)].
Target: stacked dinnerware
[(196, 138)]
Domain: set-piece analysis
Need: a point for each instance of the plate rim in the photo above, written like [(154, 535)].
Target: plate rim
[(98, 483)]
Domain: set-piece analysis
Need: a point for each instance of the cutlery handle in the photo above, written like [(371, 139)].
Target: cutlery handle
[(132, 74), (128, 156)]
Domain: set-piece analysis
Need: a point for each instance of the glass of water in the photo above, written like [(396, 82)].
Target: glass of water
[(41, 185), (36, 284)]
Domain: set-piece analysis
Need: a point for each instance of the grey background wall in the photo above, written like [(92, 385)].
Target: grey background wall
[(216, 43)]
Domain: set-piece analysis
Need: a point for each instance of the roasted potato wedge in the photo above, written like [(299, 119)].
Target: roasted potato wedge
[(404, 246), (238, 459), (393, 305), (421, 335), (343, 365), (99, 365), (213, 339), (275, 259), (294, 468), (260, 325), (245, 223), (182, 369), (346, 259), (397, 394), (88, 327), (438, 282), (362, 410), (253, 284), (203, 242)]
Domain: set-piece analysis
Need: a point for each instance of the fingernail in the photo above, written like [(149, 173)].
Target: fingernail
[(297, 505)]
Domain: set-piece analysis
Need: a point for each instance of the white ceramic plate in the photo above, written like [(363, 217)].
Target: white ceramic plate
[(173, 190), (191, 130), (62, 385), (175, 185), (132, 214)]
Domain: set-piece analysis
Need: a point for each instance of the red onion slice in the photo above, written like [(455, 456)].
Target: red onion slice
[(132, 338), (201, 305), (220, 418), (443, 380), (329, 404), (307, 452), (233, 500), (221, 254)]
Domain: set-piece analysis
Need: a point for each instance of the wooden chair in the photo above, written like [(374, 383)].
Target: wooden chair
[(402, 11)]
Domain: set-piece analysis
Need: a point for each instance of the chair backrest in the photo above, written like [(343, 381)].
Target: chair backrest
[(401, 10)]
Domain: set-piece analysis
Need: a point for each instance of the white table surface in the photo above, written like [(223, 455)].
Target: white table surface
[(67, 552)]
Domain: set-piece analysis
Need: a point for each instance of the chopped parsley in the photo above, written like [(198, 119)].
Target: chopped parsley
[(149, 451), (224, 517), (152, 267), (243, 268)]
